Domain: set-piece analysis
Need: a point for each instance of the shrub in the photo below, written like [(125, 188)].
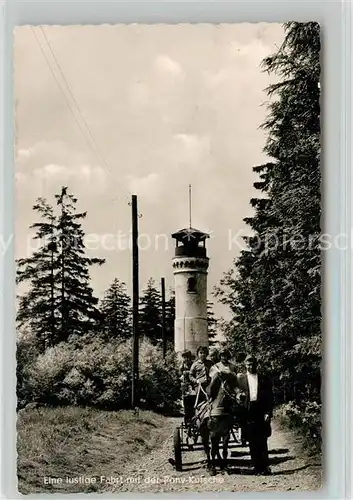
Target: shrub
[(306, 418), (160, 385), (26, 352), (99, 374), (47, 372)]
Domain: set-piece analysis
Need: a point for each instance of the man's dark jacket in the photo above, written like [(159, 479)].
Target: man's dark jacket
[(264, 396)]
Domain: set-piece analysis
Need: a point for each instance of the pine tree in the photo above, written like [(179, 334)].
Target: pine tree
[(60, 302), (79, 312), (211, 323), (274, 289), (116, 312), (38, 308), (150, 315)]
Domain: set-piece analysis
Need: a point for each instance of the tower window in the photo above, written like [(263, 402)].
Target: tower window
[(192, 285)]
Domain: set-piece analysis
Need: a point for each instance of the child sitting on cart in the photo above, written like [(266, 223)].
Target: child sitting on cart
[(188, 393), (214, 355), (200, 374), (224, 364)]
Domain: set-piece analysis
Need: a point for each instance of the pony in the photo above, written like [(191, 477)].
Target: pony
[(216, 415)]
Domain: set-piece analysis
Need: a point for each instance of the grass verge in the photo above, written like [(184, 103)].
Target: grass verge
[(305, 422), (63, 449)]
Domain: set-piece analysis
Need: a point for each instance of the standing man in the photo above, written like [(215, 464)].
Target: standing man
[(259, 406)]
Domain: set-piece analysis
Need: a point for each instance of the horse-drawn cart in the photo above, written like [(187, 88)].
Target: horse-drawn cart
[(187, 434), (181, 442)]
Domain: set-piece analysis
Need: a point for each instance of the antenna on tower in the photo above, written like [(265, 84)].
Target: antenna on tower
[(190, 206)]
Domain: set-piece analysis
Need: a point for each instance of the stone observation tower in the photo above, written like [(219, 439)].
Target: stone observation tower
[(190, 265)]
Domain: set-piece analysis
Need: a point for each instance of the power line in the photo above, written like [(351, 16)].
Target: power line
[(77, 105), (96, 152), (61, 90), (100, 156)]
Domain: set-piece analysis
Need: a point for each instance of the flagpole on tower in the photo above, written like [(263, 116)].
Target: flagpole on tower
[(190, 206)]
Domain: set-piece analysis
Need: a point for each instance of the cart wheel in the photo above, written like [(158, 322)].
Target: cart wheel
[(177, 450)]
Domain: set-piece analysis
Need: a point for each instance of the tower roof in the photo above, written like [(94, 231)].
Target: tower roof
[(190, 234)]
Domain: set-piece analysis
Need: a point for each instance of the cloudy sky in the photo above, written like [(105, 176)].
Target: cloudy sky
[(115, 110)]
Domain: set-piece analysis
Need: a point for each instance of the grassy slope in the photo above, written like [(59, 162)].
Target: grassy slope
[(76, 442)]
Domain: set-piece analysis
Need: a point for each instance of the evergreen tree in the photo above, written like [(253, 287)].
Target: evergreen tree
[(38, 308), (211, 323), (116, 312), (150, 315), (274, 288), (79, 312), (60, 302)]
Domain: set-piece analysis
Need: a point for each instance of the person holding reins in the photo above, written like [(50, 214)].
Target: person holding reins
[(200, 374)]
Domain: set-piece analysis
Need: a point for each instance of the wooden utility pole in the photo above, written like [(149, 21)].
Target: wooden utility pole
[(135, 306), (164, 342)]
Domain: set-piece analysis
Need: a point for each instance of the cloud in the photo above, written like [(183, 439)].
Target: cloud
[(139, 94), (52, 171), (24, 154), (149, 187), (43, 153), (154, 89), (81, 172), (189, 140), (167, 65), (257, 49), (218, 77), (190, 148), (91, 180), (50, 164), (241, 64), (168, 106), (20, 178)]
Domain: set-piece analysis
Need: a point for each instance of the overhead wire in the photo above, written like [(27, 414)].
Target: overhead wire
[(86, 132), (62, 91), (101, 156)]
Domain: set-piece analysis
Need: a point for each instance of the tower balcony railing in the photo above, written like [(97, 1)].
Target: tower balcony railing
[(183, 251)]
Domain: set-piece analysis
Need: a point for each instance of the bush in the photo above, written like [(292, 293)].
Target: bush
[(25, 353), (99, 374), (160, 384), (306, 418)]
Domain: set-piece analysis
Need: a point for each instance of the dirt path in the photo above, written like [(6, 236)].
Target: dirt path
[(291, 471)]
